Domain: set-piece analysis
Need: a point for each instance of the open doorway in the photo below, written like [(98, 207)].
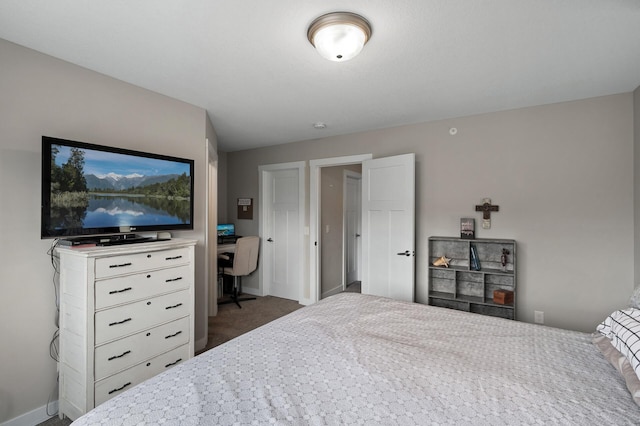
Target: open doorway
[(340, 247), (317, 229)]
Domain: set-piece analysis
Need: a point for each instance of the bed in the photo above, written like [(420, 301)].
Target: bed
[(358, 359)]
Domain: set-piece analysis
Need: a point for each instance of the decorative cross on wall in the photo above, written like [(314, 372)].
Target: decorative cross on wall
[(486, 208)]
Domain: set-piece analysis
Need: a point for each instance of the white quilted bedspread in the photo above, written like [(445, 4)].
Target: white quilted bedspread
[(354, 359)]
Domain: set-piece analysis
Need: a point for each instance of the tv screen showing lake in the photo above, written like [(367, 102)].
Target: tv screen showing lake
[(106, 211), (92, 189)]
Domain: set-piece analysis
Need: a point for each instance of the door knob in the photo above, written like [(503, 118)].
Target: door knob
[(404, 253), (270, 240), (357, 235)]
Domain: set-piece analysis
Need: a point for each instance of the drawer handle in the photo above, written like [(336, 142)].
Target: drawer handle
[(173, 363), (173, 335), (173, 258), (120, 322), (120, 388), (174, 306), (120, 291), (119, 356), (172, 280), (120, 265)]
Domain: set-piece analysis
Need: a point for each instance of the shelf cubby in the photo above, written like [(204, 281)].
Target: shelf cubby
[(460, 287)]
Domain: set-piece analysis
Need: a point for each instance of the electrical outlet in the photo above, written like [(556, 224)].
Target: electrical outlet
[(538, 317)]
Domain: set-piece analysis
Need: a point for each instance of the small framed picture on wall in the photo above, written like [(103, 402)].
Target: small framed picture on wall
[(467, 228)]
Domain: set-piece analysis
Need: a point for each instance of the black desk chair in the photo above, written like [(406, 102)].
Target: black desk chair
[(245, 261)]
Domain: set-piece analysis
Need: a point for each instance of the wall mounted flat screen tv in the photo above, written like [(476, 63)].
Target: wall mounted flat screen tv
[(99, 190)]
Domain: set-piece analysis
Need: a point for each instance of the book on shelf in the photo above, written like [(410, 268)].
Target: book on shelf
[(467, 228), (474, 259)]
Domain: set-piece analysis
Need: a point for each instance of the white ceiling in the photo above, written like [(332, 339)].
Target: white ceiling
[(249, 64)]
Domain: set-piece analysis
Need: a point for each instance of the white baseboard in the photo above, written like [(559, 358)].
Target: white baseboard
[(305, 301), (33, 417), (252, 291), (200, 344), (335, 290)]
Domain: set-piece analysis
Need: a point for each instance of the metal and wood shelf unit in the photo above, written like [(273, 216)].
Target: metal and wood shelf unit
[(461, 287)]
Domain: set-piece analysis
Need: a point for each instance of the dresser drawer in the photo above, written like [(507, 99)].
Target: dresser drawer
[(118, 383), (136, 262), (116, 291), (124, 320), (124, 353)]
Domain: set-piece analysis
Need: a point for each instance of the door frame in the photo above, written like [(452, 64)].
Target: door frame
[(211, 236), (300, 166), (314, 217)]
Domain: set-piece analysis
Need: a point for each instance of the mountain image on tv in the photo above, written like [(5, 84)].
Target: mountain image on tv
[(114, 182), (99, 189)]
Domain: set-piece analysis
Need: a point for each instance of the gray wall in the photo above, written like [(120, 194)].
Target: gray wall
[(45, 96), (562, 174)]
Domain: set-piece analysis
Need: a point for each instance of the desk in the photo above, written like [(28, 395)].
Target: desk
[(226, 248), (223, 248)]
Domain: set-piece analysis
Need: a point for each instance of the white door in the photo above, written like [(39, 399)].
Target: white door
[(352, 220), (388, 226), (281, 236)]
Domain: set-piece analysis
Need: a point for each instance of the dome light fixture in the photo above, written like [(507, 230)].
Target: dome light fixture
[(339, 36)]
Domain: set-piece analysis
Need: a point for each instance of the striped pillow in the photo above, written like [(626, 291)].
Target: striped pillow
[(623, 328)]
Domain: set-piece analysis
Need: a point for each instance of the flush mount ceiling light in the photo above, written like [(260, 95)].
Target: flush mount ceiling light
[(339, 36)]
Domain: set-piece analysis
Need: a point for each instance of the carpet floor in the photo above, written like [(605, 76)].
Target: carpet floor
[(232, 321)]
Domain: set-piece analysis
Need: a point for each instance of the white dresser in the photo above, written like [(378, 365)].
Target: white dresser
[(126, 314)]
